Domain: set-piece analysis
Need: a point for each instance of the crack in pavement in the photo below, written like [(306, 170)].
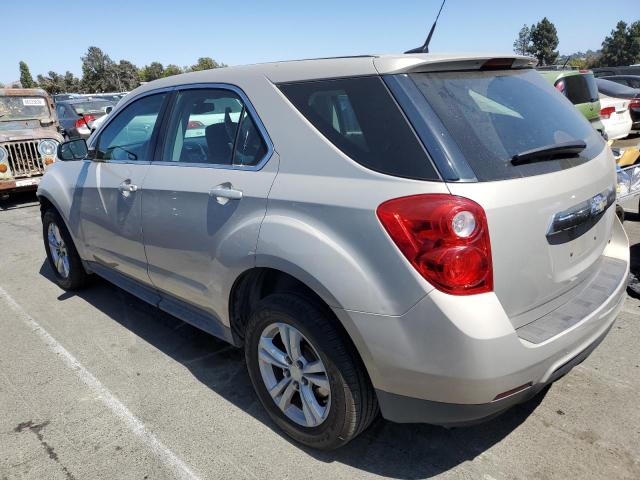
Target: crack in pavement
[(36, 429)]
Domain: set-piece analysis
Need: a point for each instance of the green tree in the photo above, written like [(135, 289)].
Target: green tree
[(123, 76), (53, 83), (26, 80), (522, 44), (205, 63), (71, 83), (97, 73), (622, 47), (151, 72), (544, 41), (172, 70)]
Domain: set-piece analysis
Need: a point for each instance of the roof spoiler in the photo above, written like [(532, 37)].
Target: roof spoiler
[(456, 62)]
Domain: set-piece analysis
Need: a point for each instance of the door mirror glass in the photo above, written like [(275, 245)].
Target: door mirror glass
[(73, 150)]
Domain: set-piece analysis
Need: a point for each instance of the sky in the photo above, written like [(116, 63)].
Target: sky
[(241, 32)]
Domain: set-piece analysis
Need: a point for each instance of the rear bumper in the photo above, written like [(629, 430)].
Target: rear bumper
[(617, 130), (401, 409), (446, 361)]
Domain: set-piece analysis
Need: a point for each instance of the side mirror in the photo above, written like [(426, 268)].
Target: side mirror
[(73, 150), (108, 110)]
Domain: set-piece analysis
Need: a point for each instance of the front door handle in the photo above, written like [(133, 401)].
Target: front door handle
[(126, 188), (224, 192)]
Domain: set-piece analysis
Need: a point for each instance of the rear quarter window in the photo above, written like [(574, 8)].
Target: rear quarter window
[(494, 115), (361, 118)]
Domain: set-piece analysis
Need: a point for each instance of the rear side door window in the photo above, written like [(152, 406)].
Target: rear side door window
[(212, 127)]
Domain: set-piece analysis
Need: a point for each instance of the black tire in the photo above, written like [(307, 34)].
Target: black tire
[(353, 402), (77, 277)]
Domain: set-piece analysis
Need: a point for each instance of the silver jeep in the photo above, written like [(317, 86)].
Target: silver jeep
[(427, 236)]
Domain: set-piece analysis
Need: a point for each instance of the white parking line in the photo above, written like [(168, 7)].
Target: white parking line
[(170, 459)]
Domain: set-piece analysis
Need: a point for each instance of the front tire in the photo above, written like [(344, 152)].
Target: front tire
[(68, 271), (306, 374)]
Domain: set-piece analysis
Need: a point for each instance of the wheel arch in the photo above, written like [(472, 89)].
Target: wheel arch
[(258, 282)]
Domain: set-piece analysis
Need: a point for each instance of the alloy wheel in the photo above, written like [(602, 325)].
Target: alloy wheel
[(58, 249), (294, 374)]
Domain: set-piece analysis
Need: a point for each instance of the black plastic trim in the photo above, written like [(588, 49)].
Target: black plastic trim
[(442, 149)]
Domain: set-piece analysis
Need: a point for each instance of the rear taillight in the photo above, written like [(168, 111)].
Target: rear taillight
[(445, 238), (560, 86), (635, 103), (84, 122), (606, 112)]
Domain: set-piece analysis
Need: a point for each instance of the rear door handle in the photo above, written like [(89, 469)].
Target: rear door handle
[(224, 192)]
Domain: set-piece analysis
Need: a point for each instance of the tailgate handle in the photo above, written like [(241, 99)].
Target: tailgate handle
[(577, 220)]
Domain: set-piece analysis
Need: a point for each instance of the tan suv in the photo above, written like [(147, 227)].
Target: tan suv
[(29, 138)]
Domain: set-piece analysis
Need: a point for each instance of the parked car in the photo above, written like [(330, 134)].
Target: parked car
[(29, 138), (100, 120), (632, 81), (64, 96), (427, 234), (77, 115), (579, 86), (625, 95), (609, 71)]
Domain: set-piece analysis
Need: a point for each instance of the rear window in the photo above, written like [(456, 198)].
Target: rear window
[(614, 89), (579, 88), (97, 106), (494, 115), (359, 116)]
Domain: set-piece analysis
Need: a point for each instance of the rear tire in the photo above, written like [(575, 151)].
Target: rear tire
[(343, 393), (68, 271)]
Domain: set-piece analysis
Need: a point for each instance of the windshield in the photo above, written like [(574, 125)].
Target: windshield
[(23, 108), (95, 106), (494, 115)]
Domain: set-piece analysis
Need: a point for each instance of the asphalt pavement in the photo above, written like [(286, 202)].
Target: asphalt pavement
[(99, 385)]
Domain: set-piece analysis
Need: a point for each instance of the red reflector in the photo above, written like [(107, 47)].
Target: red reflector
[(451, 251), (583, 70), (606, 112), (513, 391), (83, 123), (194, 124), (498, 64)]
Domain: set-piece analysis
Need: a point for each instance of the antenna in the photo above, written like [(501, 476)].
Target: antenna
[(425, 48)]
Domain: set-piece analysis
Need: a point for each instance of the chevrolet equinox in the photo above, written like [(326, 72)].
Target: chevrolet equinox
[(425, 236)]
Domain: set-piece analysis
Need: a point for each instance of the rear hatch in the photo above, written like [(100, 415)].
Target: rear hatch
[(581, 89), (549, 217)]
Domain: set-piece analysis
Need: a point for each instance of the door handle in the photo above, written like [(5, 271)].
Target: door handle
[(224, 192), (126, 188)]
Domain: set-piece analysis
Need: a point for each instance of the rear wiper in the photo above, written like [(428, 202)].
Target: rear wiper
[(550, 152)]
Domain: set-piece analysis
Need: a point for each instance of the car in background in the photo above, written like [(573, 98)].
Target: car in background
[(608, 88), (609, 71), (77, 115), (29, 138), (579, 86), (64, 96), (632, 81)]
